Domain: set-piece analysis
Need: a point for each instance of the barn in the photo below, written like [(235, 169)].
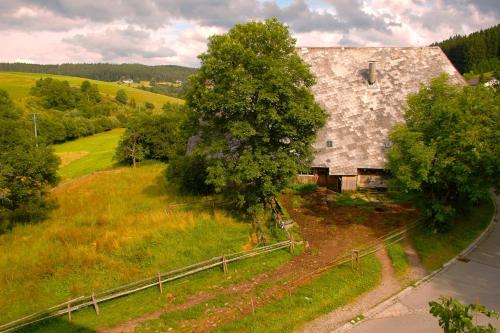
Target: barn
[(364, 92)]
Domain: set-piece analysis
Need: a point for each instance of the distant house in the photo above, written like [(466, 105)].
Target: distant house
[(127, 81), (364, 92)]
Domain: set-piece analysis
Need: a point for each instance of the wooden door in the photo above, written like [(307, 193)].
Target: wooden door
[(322, 176)]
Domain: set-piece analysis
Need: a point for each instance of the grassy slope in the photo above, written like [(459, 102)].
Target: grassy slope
[(436, 249), (18, 85), (110, 228), (98, 151)]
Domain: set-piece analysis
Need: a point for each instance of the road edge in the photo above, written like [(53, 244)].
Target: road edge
[(394, 299)]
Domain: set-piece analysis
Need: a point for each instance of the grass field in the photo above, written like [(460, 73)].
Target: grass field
[(435, 249), (89, 154), (110, 228), (18, 86)]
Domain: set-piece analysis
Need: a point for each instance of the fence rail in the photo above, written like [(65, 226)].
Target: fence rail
[(153, 281), (158, 280)]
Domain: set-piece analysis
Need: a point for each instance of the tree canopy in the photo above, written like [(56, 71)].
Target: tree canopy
[(106, 72), (478, 52), (26, 170), (150, 136), (257, 117), (448, 148)]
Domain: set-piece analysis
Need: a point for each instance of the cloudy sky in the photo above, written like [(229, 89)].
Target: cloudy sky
[(176, 31)]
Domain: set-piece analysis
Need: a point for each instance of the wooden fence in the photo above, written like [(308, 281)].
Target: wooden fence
[(158, 280)]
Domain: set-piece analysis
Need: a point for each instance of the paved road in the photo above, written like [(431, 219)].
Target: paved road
[(476, 280)]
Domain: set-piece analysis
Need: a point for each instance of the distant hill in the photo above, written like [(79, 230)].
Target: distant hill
[(478, 52), (18, 86), (106, 72)]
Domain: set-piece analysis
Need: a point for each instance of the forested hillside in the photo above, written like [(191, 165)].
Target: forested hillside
[(106, 72), (478, 52)]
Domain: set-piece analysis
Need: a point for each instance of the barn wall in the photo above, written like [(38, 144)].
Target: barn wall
[(371, 181), (348, 183), (307, 179)]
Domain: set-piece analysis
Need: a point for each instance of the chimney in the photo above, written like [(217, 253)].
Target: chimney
[(372, 72)]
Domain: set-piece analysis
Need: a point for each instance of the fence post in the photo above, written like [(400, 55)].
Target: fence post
[(292, 243), (159, 283), (224, 264), (69, 311), (96, 306), (355, 259)]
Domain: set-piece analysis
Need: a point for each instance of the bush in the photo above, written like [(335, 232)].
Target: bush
[(121, 97)]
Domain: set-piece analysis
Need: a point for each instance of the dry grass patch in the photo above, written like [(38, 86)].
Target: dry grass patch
[(70, 156)]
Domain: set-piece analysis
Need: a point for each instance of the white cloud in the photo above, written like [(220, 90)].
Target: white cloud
[(176, 31)]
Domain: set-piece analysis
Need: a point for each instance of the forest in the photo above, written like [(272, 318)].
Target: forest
[(478, 52), (106, 72)]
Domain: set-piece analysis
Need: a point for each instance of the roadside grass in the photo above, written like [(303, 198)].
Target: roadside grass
[(398, 258), (435, 249), (89, 154), (18, 86), (111, 228)]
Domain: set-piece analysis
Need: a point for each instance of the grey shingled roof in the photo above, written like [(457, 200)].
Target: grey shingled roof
[(361, 116)]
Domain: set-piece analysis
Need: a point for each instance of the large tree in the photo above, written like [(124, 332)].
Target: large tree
[(448, 148), (256, 113), (27, 170)]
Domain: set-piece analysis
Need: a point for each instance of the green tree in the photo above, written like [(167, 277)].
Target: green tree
[(26, 171), (149, 106), (90, 92), (149, 136), (131, 148), (56, 94), (257, 116), (121, 97), (448, 149), (454, 317)]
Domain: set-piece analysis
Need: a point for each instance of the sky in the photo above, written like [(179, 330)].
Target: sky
[(157, 32)]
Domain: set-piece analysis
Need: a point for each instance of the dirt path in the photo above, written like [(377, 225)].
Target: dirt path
[(329, 232), (387, 287)]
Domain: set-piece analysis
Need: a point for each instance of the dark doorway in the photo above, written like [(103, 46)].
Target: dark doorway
[(322, 176)]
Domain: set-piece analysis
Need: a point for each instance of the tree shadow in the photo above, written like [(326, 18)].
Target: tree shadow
[(59, 324)]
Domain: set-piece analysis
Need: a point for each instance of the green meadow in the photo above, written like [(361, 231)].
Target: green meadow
[(89, 154), (113, 226)]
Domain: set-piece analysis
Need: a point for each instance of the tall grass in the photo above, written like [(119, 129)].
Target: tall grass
[(110, 228)]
